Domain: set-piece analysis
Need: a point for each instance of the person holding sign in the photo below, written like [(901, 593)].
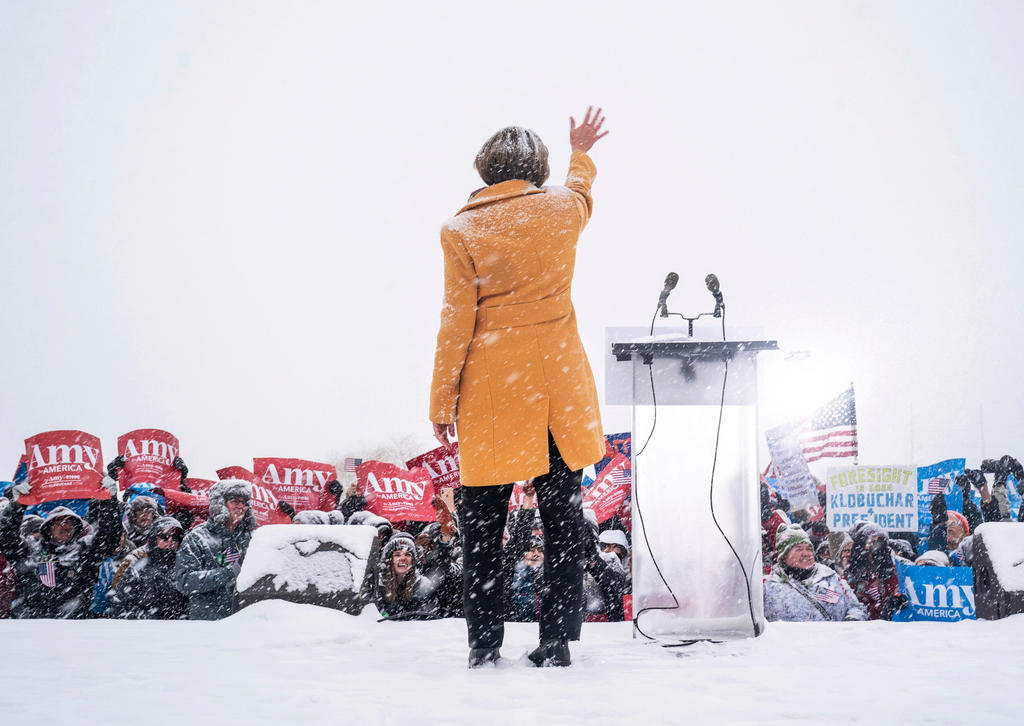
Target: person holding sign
[(57, 571), (511, 372)]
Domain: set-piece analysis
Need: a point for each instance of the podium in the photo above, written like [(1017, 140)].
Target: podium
[(689, 395)]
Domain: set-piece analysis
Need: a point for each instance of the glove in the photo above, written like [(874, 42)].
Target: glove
[(444, 516), (287, 509), (977, 478), (939, 507), (179, 464), (110, 484), (334, 487), (20, 490), (893, 605), (115, 466)]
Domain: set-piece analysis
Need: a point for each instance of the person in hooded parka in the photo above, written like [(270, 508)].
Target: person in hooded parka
[(146, 591), (211, 555), (140, 514), (57, 571)]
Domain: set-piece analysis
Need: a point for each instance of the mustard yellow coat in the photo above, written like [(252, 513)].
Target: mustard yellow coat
[(509, 364)]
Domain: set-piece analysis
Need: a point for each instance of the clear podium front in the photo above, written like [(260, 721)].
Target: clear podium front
[(694, 462)]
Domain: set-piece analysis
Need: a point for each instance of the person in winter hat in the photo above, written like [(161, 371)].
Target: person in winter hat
[(442, 560), (872, 572), (147, 590), (211, 555), (140, 514), (364, 517), (956, 529), (311, 516), (528, 582), (840, 546), (800, 589), (933, 558), (402, 594), (607, 575), (614, 541), (30, 526), (57, 571)]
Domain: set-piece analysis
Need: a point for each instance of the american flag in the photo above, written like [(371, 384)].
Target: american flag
[(620, 477), (351, 464), (771, 472), (827, 596), (937, 485), (832, 431), (872, 591), (47, 572), (231, 555)]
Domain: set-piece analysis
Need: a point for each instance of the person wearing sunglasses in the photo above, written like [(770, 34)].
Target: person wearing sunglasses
[(146, 590)]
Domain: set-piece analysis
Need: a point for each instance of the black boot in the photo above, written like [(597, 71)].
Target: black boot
[(479, 657), (551, 653)]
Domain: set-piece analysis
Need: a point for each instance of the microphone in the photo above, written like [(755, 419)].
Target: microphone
[(715, 289), (670, 284)]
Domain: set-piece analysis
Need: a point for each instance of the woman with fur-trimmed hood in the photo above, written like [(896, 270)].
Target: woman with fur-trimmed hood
[(211, 555)]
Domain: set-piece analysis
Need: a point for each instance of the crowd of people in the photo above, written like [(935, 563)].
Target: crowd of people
[(129, 558), (812, 573)]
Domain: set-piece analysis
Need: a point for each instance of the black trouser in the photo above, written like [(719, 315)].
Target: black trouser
[(484, 511)]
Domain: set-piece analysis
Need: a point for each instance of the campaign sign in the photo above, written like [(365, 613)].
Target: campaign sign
[(64, 465), (301, 483), (944, 594), (21, 473), (199, 485), (442, 464), (264, 506), (395, 493), (885, 495), (795, 481), (516, 500), (616, 444), (931, 480), (235, 472), (148, 456), (609, 490), (197, 501)]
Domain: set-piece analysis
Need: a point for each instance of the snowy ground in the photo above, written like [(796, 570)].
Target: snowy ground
[(281, 663)]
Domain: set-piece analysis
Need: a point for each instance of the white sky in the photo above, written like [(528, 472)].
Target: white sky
[(221, 218)]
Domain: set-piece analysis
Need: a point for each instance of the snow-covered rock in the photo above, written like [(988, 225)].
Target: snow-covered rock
[(319, 564)]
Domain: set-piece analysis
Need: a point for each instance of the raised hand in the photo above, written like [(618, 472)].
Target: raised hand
[(582, 137)]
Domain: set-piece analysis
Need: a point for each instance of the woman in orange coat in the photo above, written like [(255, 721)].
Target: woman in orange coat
[(511, 372)]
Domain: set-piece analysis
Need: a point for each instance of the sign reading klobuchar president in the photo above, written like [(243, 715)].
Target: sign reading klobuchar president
[(884, 495)]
